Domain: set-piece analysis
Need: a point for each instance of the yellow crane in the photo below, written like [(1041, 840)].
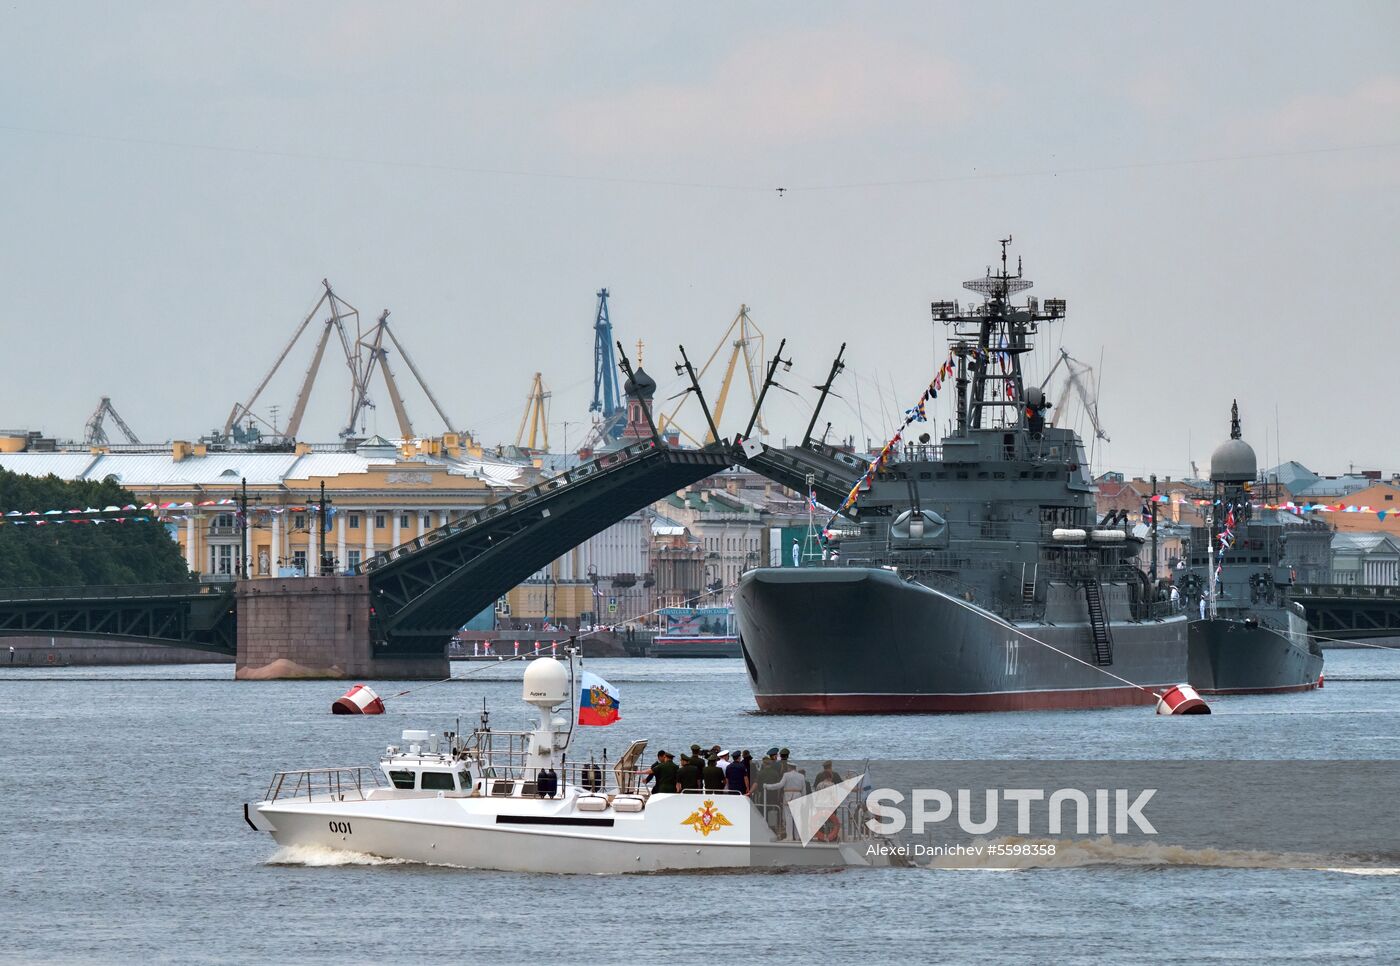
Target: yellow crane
[(744, 338), (537, 416)]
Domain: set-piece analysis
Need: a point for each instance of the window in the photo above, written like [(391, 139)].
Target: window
[(299, 560), (438, 781), (379, 523), (225, 520), (403, 520), (354, 521), (222, 559), (299, 521), (354, 559), (423, 521), (401, 779)]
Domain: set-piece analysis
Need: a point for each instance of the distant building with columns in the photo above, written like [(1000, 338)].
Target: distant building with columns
[(379, 494)]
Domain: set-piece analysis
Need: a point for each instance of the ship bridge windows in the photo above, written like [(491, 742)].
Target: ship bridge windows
[(438, 781), (401, 779)]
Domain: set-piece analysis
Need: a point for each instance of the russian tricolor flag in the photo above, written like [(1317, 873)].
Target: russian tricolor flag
[(599, 702)]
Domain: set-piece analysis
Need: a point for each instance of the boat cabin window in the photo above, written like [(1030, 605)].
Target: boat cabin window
[(401, 779), (438, 781), (502, 787)]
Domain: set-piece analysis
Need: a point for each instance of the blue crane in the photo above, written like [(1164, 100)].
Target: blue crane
[(606, 400)]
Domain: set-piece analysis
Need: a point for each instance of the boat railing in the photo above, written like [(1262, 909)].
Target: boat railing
[(507, 754), (343, 783), (848, 823)]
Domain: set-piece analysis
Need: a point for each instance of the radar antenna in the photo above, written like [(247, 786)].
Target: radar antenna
[(989, 340)]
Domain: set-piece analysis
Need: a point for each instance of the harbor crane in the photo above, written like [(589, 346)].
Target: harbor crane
[(609, 415), (744, 339), (96, 435), (537, 416), (364, 351), (1079, 380)]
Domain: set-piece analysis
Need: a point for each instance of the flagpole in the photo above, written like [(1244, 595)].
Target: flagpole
[(573, 690), (1210, 567)]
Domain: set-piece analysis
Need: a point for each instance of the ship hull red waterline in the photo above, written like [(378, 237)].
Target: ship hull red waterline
[(856, 640), (956, 703), (1286, 689)]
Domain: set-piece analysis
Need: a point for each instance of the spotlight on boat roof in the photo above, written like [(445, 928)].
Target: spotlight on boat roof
[(942, 310), (1054, 307)]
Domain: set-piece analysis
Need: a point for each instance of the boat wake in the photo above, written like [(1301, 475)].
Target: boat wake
[(318, 856), (1103, 851)]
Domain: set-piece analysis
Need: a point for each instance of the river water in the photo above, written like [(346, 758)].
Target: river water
[(123, 836)]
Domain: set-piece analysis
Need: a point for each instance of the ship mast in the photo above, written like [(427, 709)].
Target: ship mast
[(989, 340)]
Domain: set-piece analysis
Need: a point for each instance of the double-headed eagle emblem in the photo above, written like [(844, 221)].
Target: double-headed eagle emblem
[(707, 818)]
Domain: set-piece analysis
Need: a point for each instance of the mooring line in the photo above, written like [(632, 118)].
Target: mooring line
[(1016, 630)]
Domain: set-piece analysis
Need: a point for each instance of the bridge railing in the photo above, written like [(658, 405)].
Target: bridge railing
[(113, 591), (1347, 591), (520, 498)]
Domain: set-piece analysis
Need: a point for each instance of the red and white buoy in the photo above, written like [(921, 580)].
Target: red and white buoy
[(1321, 678), (1181, 699), (358, 700)]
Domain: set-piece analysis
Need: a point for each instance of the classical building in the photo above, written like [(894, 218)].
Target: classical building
[(378, 494), (1365, 558)]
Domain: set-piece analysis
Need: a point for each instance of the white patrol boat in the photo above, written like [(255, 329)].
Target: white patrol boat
[(513, 801)]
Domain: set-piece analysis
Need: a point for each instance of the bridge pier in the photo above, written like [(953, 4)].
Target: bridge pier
[(317, 627)]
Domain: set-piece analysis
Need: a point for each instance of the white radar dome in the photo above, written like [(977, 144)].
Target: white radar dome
[(546, 683)]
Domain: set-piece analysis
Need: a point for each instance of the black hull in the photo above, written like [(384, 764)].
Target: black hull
[(1231, 656), (861, 640)]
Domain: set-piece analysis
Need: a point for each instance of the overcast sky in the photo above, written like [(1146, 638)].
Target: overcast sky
[(1215, 188)]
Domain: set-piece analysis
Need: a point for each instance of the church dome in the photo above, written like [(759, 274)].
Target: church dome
[(640, 385)]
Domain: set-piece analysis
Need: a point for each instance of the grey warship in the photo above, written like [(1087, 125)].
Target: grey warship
[(1246, 638), (971, 574)]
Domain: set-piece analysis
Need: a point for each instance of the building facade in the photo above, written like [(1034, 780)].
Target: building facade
[(378, 495)]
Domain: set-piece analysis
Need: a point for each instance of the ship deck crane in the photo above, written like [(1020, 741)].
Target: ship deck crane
[(96, 435)]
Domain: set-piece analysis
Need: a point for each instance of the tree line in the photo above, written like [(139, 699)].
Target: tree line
[(82, 554)]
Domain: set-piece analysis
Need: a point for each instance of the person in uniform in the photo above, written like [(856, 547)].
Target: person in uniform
[(790, 787), (768, 772), (827, 776), (713, 776), (663, 773), (689, 775), (736, 776)]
